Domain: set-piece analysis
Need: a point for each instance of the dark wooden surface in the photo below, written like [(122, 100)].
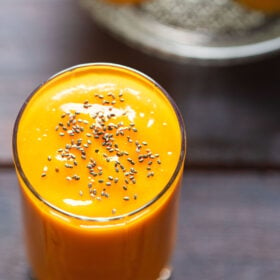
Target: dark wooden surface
[(229, 227), (230, 217)]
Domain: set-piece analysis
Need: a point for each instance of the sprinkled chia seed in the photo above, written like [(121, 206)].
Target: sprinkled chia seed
[(76, 177), (150, 174), (103, 132)]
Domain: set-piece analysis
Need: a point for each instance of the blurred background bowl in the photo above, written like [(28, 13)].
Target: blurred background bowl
[(203, 31)]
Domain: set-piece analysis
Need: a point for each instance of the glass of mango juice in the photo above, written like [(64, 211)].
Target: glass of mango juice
[(99, 152)]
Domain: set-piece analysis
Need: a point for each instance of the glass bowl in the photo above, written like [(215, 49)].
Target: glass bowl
[(217, 31)]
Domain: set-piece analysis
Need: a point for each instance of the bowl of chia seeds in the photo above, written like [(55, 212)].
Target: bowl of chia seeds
[(203, 31)]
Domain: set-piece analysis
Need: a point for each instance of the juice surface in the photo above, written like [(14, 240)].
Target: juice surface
[(99, 141)]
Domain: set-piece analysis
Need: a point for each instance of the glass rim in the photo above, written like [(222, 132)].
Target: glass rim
[(110, 218)]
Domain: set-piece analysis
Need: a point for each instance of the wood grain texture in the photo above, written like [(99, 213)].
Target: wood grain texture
[(229, 227), (232, 113)]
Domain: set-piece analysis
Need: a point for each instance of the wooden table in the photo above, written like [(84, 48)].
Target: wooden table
[(229, 227), (230, 211)]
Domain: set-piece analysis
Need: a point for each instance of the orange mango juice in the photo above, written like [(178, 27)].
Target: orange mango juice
[(99, 152)]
